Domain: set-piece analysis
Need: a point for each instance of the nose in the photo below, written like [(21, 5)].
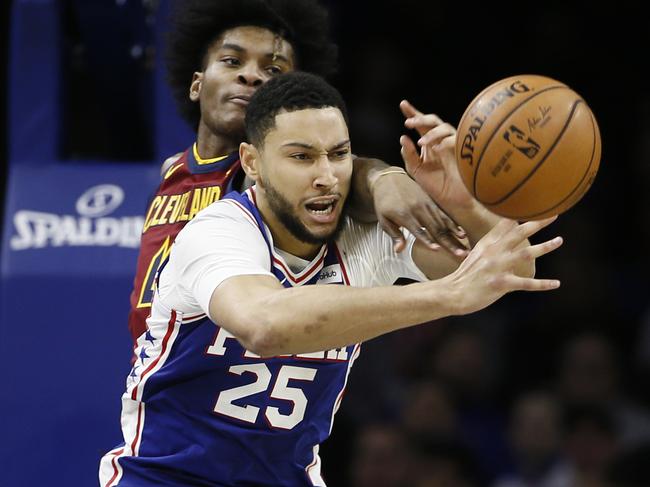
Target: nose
[(326, 177), (251, 75)]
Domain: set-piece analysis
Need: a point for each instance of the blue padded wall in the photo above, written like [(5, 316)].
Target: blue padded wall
[(70, 239)]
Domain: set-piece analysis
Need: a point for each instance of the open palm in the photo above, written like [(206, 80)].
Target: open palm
[(433, 165)]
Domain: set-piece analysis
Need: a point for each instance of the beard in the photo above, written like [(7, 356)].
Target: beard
[(283, 211)]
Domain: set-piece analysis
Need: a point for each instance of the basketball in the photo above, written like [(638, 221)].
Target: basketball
[(528, 147)]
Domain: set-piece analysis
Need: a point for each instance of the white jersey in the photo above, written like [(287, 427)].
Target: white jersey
[(199, 409), (224, 240)]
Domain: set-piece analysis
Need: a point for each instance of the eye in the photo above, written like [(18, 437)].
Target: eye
[(341, 154), (231, 61), (299, 156), (274, 70)]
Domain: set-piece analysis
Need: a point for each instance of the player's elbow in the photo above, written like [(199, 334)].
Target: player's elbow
[(267, 344), (264, 338)]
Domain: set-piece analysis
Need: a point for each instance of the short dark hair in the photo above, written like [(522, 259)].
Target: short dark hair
[(290, 91), (196, 24)]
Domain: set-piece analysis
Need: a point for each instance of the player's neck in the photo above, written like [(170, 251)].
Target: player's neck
[(210, 144)]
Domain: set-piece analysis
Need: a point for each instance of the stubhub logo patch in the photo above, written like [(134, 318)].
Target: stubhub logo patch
[(330, 274)]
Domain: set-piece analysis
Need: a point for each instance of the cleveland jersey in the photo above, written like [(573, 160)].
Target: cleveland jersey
[(189, 185), (199, 409)]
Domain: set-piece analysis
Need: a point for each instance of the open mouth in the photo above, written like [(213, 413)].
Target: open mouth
[(322, 207), (322, 210)]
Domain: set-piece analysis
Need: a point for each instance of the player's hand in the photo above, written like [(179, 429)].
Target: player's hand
[(490, 269), (432, 163), (401, 202)]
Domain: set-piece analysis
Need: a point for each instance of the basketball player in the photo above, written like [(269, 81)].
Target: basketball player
[(220, 52), (260, 309)]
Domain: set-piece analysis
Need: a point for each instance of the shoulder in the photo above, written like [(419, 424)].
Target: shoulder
[(169, 162), (224, 213), (222, 234)]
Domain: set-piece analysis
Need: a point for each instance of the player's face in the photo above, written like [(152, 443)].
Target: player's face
[(305, 172), (235, 66)]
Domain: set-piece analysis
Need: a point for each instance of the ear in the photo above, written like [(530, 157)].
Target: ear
[(195, 87), (249, 157)]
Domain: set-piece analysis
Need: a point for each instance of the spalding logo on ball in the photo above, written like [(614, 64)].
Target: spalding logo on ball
[(528, 147)]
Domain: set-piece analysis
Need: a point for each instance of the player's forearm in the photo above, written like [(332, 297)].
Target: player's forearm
[(362, 206), (316, 318)]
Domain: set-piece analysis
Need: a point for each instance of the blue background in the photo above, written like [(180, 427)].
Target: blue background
[(64, 343)]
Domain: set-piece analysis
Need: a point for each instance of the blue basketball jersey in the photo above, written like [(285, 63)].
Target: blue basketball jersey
[(201, 410)]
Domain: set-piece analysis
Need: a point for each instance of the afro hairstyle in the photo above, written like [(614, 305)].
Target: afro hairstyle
[(196, 24)]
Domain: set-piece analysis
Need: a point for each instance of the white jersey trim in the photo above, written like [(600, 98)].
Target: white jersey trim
[(110, 470), (305, 275), (133, 409), (313, 470), (161, 353)]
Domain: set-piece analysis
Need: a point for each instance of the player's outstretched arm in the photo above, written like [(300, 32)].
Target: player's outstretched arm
[(387, 194), (270, 320)]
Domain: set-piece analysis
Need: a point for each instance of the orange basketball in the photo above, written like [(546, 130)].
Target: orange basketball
[(528, 147)]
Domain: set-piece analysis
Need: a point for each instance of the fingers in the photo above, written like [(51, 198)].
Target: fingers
[(525, 230), (448, 241), (517, 283), (419, 121), (532, 252), (423, 123), (436, 135), (408, 110), (458, 230), (513, 233), (445, 232), (426, 227), (426, 224), (395, 233), (422, 226), (424, 120), (528, 229), (410, 155), (431, 128), (535, 251), (423, 234)]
